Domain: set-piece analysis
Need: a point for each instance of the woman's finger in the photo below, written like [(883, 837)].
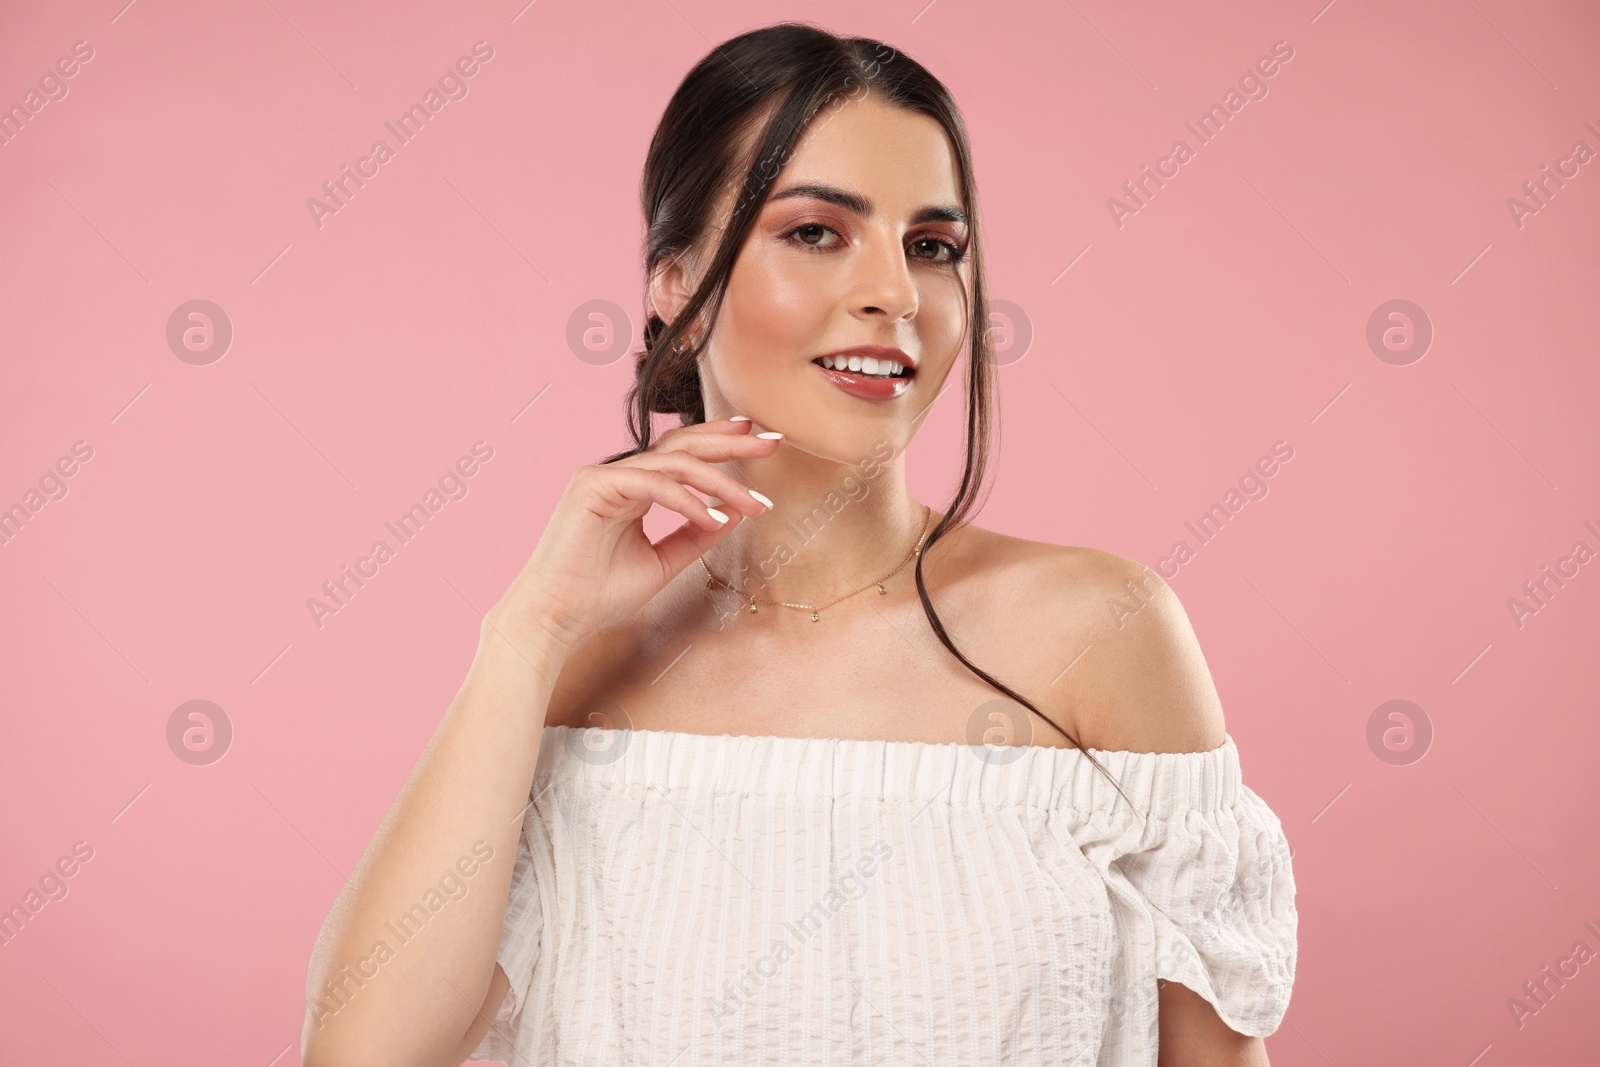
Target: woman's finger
[(689, 468), (718, 441), (621, 488)]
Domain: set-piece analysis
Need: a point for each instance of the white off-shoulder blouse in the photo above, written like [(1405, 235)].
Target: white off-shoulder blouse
[(691, 899)]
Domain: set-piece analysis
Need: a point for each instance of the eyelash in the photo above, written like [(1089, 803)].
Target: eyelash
[(957, 255)]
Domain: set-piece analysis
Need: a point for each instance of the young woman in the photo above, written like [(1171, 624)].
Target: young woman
[(825, 775)]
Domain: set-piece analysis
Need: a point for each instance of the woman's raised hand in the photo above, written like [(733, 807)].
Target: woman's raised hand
[(594, 566)]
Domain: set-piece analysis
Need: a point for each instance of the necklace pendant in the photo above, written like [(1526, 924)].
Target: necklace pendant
[(752, 606), (881, 590), (708, 581), (813, 616)]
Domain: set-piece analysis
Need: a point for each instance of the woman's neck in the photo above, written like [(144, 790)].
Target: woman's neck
[(831, 530)]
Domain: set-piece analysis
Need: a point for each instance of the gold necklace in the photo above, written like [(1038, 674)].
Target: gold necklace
[(817, 609)]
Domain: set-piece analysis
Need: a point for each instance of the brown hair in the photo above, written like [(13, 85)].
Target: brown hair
[(794, 70)]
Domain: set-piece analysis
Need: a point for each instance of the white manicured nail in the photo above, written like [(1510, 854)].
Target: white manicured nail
[(739, 418), (761, 498), (770, 435), (715, 514)]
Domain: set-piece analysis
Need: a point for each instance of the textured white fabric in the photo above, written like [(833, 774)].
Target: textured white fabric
[(693, 899)]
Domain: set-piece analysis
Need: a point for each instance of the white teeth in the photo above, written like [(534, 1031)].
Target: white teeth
[(883, 368)]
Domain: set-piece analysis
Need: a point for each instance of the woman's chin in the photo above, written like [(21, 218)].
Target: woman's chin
[(852, 446)]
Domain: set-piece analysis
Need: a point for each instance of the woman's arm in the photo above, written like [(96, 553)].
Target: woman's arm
[(406, 958), (1144, 686), (408, 981), (1191, 1035)]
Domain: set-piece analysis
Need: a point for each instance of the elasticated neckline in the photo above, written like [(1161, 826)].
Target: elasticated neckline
[(1161, 784)]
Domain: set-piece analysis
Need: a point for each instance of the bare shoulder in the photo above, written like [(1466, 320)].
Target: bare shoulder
[(1125, 667)]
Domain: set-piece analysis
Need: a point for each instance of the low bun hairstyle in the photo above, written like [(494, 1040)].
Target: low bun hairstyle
[(733, 121), (671, 378)]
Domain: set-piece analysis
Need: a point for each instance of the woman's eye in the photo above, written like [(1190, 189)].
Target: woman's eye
[(809, 235), (940, 245), (809, 228)]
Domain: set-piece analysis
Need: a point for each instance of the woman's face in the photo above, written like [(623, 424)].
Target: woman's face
[(863, 241)]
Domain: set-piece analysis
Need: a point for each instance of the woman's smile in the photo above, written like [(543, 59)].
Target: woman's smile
[(871, 372)]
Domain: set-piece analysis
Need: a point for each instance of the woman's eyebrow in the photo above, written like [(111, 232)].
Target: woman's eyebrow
[(860, 205)]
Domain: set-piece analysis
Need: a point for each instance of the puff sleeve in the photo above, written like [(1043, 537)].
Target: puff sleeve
[(1198, 872), (521, 937)]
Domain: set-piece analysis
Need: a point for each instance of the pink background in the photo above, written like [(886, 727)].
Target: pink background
[(1228, 313)]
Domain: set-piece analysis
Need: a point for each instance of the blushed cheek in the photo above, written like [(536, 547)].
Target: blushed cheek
[(797, 300), (942, 324), (772, 320)]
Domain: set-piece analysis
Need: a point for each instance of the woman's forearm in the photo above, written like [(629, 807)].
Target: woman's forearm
[(407, 951)]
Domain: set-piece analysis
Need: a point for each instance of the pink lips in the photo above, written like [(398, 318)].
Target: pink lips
[(864, 387)]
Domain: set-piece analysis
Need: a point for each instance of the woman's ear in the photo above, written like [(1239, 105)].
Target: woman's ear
[(672, 286)]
